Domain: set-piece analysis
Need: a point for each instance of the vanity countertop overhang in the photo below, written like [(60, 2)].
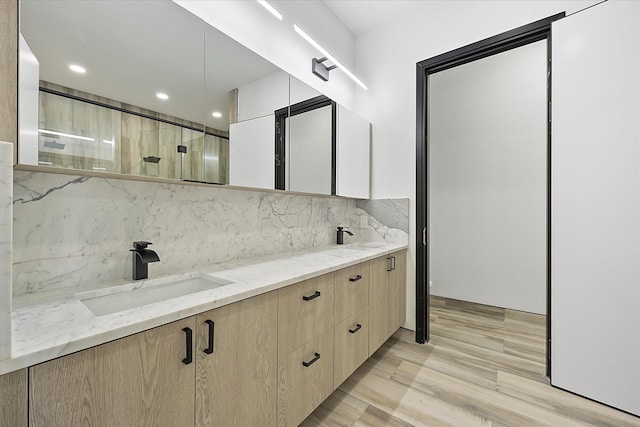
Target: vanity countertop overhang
[(57, 325)]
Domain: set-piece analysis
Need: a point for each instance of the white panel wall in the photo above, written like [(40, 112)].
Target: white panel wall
[(596, 204), (251, 143), (28, 92), (488, 167)]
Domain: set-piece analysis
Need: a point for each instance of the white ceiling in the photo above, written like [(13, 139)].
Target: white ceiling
[(360, 16)]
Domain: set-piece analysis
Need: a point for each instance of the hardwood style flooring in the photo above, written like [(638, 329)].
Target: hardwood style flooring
[(484, 366)]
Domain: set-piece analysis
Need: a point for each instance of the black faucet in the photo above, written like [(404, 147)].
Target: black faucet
[(340, 235), (141, 258)]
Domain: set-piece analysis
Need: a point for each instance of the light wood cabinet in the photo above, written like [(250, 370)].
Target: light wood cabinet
[(351, 345), (305, 310), (387, 297), (137, 380), (397, 291), (13, 399), (305, 379), (305, 347), (352, 290), (236, 364)]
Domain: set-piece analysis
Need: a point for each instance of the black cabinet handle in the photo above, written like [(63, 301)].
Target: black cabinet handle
[(393, 263), (357, 328), (212, 325), (312, 361), (389, 264), (187, 360), (355, 278), (310, 297)]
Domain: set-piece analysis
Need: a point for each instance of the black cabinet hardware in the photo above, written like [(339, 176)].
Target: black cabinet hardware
[(393, 263), (310, 297), (388, 263), (212, 325), (187, 360), (312, 361), (357, 328), (355, 278)]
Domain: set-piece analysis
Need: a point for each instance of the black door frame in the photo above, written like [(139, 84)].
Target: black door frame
[(536, 31)]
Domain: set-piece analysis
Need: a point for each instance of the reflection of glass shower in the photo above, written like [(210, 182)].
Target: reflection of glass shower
[(86, 135)]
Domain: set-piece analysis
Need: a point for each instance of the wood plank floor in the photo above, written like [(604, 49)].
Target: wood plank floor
[(484, 366)]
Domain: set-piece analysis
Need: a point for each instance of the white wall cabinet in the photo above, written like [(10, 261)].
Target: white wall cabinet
[(595, 303)]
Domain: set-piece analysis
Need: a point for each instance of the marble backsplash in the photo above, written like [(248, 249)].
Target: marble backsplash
[(6, 215), (72, 231)]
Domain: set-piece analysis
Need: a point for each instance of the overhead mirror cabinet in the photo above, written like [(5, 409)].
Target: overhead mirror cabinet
[(148, 89)]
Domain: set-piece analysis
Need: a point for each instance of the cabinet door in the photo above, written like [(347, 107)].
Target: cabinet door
[(379, 303), (236, 382), (139, 380), (13, 399), (352, 290), (305, 379), (305, 310), (351, 345), (397, 291)]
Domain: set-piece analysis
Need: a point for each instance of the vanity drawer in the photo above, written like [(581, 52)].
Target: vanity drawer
[(351, 345), (352, 290), (305, 310), (305, 379)]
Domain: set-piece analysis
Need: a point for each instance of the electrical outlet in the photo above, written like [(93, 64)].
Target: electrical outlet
[(364, 221)]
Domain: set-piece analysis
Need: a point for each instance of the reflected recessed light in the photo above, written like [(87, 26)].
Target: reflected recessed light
[(216, 114), (77, 69), (163, 96)]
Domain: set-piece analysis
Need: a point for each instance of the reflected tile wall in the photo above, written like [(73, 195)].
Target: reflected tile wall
[(77, 231), (6, 216)]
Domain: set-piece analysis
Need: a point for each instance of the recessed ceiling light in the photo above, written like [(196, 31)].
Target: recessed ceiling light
[(216, 114), (271, 9), (162, 96), (77, 69)]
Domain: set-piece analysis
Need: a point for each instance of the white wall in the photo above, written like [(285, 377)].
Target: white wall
[(353, 175), (488, 183), (386, 60), (595, 300)]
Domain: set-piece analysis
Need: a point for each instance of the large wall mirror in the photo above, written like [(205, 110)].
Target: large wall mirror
[(148, 89)]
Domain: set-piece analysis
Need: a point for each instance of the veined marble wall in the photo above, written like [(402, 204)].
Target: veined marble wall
[(74, 231), (6, 217)]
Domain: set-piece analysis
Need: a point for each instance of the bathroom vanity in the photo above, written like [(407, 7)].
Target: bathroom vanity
[(265, 347)]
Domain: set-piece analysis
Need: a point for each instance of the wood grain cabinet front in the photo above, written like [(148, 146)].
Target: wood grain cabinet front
[(13, 399), (305, 379), (387, 297), (236, 364), (352, 290), (305, 310), (351, 345), (146, 379)]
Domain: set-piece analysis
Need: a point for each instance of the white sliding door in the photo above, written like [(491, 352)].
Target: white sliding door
[(596, 204)]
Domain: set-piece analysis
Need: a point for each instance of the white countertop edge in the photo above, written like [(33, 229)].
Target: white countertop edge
[(42, 332)]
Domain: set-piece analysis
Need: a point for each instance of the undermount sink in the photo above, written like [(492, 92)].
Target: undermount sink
[(132, 298)]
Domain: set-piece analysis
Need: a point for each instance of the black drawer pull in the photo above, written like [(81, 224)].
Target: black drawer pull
[(212, 325), (389, 264), (355, 278), (357, 328), (309, 298), (312, 361), (187, 360), (393, 263)]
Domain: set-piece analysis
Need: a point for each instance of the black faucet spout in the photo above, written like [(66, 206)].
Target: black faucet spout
[(340, 235), (141, 259)]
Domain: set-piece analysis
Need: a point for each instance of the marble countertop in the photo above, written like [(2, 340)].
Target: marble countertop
[(48, 326)]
